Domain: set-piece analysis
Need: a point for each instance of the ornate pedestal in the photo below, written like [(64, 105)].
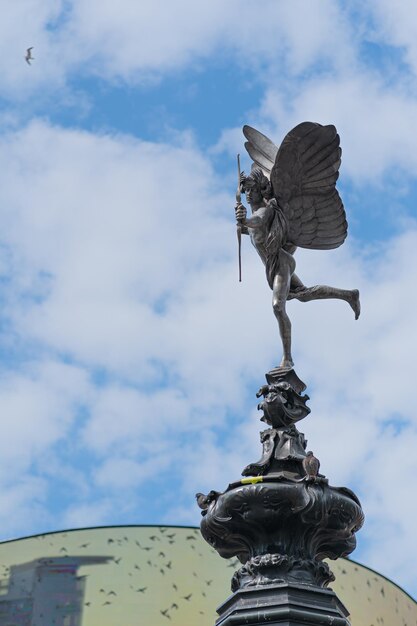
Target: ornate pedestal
[(281, 520), (283, 604)]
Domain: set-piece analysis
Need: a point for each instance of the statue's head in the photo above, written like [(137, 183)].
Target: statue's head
[(256, 186)]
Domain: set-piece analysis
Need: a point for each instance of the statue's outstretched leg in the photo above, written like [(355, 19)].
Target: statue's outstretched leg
[(280, 291), (322, 292)]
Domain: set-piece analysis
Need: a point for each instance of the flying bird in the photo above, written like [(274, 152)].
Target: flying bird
[(29, 57), (311, 466)]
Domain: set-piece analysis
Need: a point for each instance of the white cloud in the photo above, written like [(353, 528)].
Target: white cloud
[(386, 477), (117, 221), (21, 500), (24, 24), (376, 124), (122, 474), (125, 418), (395, 25), (140, 42), (40, 405), (87, 514)]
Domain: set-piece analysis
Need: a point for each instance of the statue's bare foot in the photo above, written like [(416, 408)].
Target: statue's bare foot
[(355, 302), (286, 363)]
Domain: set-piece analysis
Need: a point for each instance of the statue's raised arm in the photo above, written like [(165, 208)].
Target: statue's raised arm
[(294, 202)]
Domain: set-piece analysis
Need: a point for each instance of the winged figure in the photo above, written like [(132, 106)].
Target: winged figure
[(294, 203)]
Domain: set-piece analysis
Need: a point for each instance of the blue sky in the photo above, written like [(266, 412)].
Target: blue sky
[(130, 355)]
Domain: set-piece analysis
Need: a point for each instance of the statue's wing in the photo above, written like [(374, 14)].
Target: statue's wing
[(304, 179), (261, 149)]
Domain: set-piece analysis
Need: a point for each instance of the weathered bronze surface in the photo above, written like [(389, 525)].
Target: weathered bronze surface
[(294, 202), (283, 518)]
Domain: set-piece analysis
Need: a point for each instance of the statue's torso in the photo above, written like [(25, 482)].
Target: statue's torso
[(259, 235)]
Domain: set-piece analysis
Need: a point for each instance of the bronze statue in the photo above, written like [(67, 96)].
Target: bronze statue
[(283, 517), (294, 202)]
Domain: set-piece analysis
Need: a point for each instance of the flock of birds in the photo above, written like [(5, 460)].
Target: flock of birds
[(158, 559), (153, 555), (161, 568)]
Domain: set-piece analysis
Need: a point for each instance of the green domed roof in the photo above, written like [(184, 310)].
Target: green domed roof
[(156, 575)]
